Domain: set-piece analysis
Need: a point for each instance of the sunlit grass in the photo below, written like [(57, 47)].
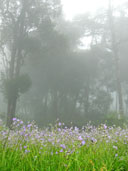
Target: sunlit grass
[(26, 148)]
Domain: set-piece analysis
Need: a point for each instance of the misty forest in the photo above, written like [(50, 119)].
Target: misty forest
[(63, 87)]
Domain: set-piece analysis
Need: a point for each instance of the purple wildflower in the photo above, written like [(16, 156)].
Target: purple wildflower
[(83, 142), (61, 150), (63, 146), (115, 147), (80, 138), (14, 119)]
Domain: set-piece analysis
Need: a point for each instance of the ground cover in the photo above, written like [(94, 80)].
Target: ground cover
[(59, 148)]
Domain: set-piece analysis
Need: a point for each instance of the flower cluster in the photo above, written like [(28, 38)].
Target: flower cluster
[(63, 139)]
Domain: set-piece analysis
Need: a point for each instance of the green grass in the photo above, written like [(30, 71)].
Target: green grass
[(39, 153), (97, 156)]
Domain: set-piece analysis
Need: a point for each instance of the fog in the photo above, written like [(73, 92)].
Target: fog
[(62, 61)]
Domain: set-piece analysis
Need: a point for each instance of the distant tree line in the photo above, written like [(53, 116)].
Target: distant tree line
[(67, 79)]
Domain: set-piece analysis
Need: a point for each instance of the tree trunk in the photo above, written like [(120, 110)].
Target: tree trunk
[(87, 91), (15, 64), (119, 90), (10, 106), (55, 104), (11, 111), (116, 60)]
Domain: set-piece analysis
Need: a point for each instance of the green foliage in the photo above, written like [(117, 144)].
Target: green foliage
[(97, 149), (112, 119), (16, 86), (30, 44)]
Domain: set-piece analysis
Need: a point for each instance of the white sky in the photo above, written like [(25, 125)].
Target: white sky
[(74, 7)]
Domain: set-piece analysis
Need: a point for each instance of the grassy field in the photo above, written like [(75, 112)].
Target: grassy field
[(58, 148)]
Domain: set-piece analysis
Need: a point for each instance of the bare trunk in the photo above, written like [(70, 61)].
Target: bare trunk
[(11, 111), (10, 106), (55, 104), (45, 104), (15, 65), (116, 59), (87, 89), (119, 90)]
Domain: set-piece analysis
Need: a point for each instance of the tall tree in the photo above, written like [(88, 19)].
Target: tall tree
[(18, 20), (115, 50)]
